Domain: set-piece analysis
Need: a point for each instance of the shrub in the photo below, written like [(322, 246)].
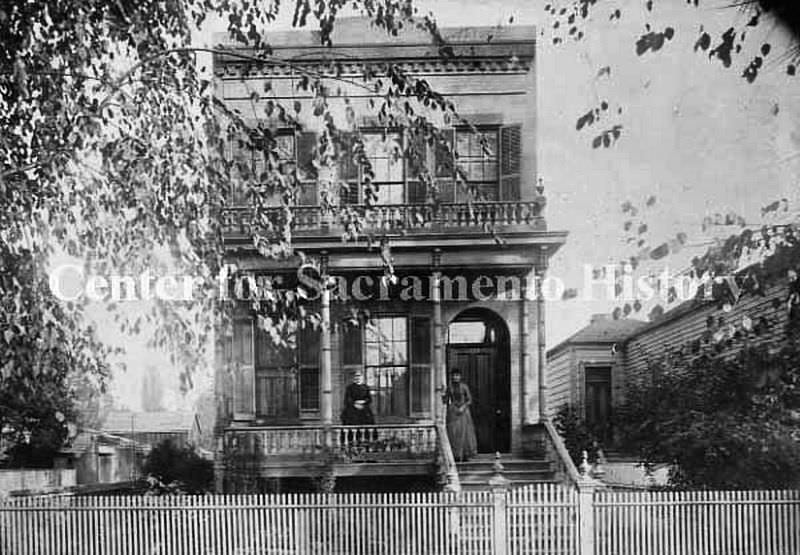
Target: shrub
[(176, 469), (576, 434)]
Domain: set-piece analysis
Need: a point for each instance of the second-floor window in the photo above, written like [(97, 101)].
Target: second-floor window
[(289, 150), (477, 158), (489, 162)]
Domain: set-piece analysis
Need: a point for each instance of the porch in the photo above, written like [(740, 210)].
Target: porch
[(335, 450)]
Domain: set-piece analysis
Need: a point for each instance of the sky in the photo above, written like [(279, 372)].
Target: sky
[(695, 135)]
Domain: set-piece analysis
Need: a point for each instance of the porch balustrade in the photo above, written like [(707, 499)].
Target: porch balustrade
[(394, 217), (339, 443)]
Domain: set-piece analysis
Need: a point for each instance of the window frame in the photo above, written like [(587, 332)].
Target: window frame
[(483, 184), (358, 180), (412, 367), (296, 367)]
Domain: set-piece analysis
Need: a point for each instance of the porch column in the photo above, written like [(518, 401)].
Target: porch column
[(526, 346), (326, 399), (439, 369), (540, 336)]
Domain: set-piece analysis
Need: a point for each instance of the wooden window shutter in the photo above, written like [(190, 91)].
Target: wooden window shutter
[(243, 370), (444, 166), (420, 368), (241, 154), (308, 352), (348, 169), (417, 156), (307, 173), (510, 162)]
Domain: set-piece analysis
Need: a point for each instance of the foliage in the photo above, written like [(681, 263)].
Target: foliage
[(577, 435), (571, 17), (178, 469), (725, 419), (114, 148), (42, 342)]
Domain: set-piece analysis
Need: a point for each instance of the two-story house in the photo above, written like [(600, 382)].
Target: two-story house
[(466, 272)]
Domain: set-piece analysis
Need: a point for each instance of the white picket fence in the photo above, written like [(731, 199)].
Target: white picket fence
[(699, 522), (542, 519)]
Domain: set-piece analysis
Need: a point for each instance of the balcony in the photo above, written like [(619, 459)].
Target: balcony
[(345, 450), (401, 219)]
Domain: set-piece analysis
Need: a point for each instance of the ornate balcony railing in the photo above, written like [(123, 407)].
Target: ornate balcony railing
[(395, 217), (336, 443)]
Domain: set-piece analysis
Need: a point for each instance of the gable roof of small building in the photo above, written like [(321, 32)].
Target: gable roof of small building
[(601, 329), (148, 422)]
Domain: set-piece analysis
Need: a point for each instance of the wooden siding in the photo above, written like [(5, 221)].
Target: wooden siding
[(560, 389), (654, 343)]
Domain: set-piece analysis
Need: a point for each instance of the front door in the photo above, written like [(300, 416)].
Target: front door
[(485, 371), (598, 401)]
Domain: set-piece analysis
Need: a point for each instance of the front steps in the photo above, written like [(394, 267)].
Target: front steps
[(519, 471)]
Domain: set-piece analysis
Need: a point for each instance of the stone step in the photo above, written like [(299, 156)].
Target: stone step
[(513, 475), (483, 486), (511, 465)]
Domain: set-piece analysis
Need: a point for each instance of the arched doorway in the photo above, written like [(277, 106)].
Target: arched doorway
[(478, 345)]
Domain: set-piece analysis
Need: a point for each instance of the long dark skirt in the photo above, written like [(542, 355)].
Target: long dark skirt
[(461, 432)]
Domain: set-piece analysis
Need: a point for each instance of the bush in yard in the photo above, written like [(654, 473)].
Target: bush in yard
[(174, 469), (723, 421), (577, 435)]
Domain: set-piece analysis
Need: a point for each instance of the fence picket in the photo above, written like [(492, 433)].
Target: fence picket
[(541, 519)]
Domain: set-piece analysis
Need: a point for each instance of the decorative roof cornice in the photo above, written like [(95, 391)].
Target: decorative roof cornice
[(356, 68)]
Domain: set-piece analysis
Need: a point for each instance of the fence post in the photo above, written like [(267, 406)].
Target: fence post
[(499, 486), (586, 488)]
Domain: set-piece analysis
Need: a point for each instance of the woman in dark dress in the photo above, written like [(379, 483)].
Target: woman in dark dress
[(460, 429), (357, 401)]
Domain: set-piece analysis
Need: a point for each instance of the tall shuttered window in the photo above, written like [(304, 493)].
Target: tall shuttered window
[(490, 162), (287, 376), (477, 159), (239, 356), (395, 354), (384, 150), (283, 150)]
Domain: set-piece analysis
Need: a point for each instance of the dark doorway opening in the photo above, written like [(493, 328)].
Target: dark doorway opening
[(598, 401), (478, 346)]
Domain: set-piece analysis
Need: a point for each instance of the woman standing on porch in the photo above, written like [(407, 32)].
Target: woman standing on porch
[(460, 429)]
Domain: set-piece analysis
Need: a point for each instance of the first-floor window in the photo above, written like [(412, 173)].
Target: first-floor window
[(287, 375), (395, 354)]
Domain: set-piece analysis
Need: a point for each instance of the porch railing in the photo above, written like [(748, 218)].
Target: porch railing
[(395, 217), (341, 443), (448, 471), (558, 453)]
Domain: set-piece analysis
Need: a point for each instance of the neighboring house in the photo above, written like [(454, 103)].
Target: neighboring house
[(278, 408), (591, 369), (102, 458), (584, 371), (151, 428)]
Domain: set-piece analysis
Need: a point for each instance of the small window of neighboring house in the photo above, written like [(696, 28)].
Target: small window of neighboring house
[(105, 471)]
